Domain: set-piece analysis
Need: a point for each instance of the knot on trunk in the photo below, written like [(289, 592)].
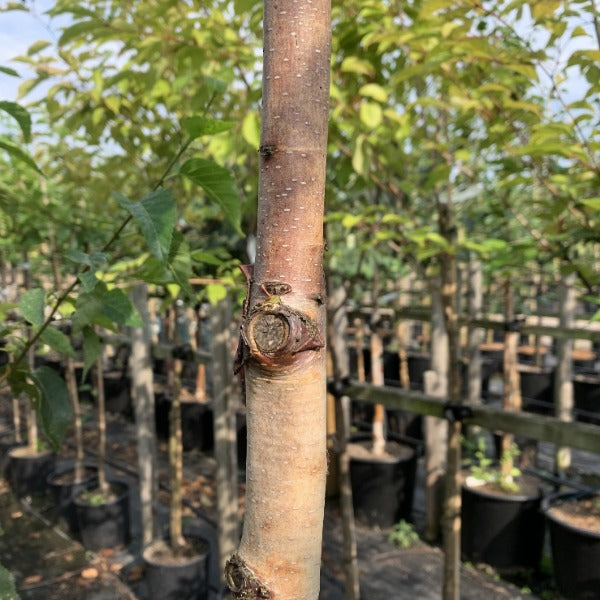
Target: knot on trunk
[(242, 582), (274, 333)]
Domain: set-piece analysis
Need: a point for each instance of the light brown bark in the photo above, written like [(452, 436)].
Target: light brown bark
[(77, 426), (284, 328), (224, 429), (563, 384), (101, 412), (142, 393)]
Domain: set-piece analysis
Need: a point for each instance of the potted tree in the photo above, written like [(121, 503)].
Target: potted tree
[(382, 472), (65, 483), (103, 512), (501, 521), (176, 567)]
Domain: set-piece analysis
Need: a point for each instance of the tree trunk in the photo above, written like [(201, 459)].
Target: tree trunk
[(563, 387), (225, 429), (175, 458), (77, 426), (476, 334), (338, 324), (436, 430), (452, 501), (283, 330), (511, 400), (142, 393), (100, 400)]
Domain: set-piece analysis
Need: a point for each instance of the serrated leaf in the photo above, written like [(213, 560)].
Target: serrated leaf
[(8, 590), (88, 280), (32, 306), (54, 408), (58, 341), (219, 185), (155, 215), (104, 307), (117, 307), (80, 29), (216, 292), (19, 154), (92, 348), (20, 115), (196, 127)]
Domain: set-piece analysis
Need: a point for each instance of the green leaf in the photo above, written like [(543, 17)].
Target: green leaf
[(80, 29), (20, 115), (8, 71), (593, 203), (19, 382), (374, 91), (104, 307), (32, 306), (8, 591), (19, 154), (38, 47), (353, 64), (251, 129), (155, 215), (117, 307), (544, 8), (54, 408), (92, 348), (206, 257), (216, 292), (58, 341), (196, 127), (596, 316), (219, 186), (180, 264), (88, 280), (371, 114)]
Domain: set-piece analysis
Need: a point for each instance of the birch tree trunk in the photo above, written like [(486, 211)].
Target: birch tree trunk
[(283, 330), (142, 393)]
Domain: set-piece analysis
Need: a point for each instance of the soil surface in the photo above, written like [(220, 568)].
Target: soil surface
[(392, 451), (161, 552), (583, 513)]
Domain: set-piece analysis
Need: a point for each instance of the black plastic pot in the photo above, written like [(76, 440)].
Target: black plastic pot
[(383, 488), (117, 392), (586, 392), (196, 423), (104, 525), (417, 365), (183, 579), (27, 471), (63, 493), (503, 530), (575, 554), (7, 443), (537, 389)]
